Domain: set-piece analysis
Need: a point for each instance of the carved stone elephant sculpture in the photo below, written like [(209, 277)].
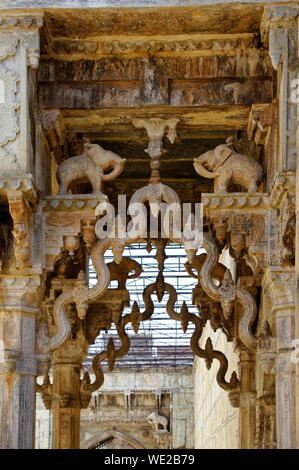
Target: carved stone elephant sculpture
[(159, 422), (120, 272), (91, 164), (225, 165), (217, 272)]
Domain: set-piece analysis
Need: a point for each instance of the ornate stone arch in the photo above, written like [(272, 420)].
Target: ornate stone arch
[(111, 433)]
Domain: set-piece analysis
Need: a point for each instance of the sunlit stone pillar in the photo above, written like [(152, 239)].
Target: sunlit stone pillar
[(18, 365), (247, 398), (280, 34), (279, 285), (20, 270)]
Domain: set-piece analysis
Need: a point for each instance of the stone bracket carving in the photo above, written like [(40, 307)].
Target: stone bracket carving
[(65, 218), (20, 212), (30, 41), (241, 222), (81, 296), (267, 348)]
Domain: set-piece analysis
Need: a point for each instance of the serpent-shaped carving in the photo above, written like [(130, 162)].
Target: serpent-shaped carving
[(209, 353), (135, 317), (242, 296)]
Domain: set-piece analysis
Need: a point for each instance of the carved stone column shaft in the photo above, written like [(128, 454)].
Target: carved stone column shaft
[(66, 406), (17, 380), (247, 399)]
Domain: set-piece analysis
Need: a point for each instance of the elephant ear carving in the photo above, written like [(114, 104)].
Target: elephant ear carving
[(222, 153)]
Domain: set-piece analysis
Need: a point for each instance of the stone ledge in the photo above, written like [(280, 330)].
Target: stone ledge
[(19, 183), (72, 202), (232, 201)]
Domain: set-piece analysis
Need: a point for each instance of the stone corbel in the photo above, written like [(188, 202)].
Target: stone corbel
[(266, 350), (81, 296), (279, 284), (46, 390), (31, 42), (20, 212), (65, 218)]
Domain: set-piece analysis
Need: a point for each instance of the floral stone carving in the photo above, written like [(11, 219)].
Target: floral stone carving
[(225, 165)]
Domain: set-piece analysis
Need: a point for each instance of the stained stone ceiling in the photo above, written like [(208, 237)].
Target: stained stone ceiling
[(95, 69)]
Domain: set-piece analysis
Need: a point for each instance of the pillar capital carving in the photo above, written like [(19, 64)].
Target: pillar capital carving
[(27, 30), (277, 22), (279, 284)]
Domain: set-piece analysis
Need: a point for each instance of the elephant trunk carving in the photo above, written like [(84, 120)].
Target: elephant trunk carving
[(225, 165), (92, 165)]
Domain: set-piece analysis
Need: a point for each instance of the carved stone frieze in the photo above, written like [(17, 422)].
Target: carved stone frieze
[(22, 183), (61, 46), (232, 201), (20, 22), (8, 105)]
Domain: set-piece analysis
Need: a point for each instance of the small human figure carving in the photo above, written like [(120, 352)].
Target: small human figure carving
[(120, 272), (225, 165), (91, 164)]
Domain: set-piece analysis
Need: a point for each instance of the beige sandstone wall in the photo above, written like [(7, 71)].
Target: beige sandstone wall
[(216, 422)]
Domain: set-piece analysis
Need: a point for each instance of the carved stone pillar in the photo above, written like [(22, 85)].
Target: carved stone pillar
[(280, 32), (19, 48), (19, 300), (66, 402), (247, 398), (279, 284)]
